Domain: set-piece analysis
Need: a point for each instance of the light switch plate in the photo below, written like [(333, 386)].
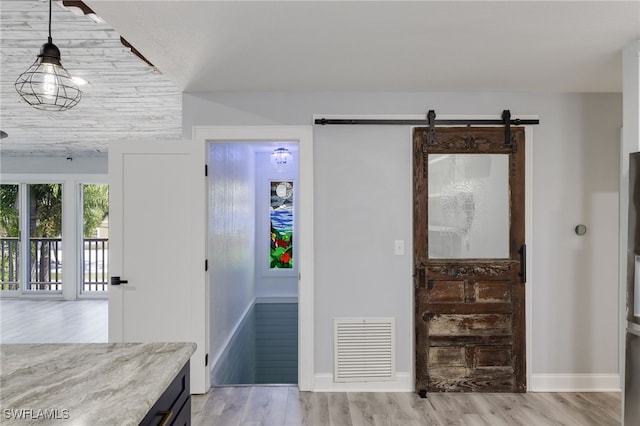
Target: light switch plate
[(398, 246)]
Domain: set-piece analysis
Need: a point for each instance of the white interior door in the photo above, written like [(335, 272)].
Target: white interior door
[(158, 245)]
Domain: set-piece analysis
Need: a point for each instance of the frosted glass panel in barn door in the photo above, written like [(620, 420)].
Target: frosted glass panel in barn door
[(157, 237), (468, 206)]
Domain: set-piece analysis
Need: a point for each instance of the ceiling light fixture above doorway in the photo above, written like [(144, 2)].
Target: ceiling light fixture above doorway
[(280, 158)]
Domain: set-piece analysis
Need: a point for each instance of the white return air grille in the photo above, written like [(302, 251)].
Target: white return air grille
[(364, 349)]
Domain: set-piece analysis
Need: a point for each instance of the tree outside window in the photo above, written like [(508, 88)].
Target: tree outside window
[(44, 222)]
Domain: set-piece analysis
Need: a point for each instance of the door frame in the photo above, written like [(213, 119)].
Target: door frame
[(303, 135), (528, 235), (528, 238)]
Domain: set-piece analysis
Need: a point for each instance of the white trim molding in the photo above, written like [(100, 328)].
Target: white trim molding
[(574, 383), (528, 238), (323, 382)]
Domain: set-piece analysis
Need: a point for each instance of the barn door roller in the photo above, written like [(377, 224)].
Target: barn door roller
[(431, 117), (506, 120)]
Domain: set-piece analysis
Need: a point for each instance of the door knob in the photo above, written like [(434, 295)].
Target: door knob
[(117, 281)]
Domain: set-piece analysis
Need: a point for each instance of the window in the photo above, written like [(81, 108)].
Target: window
[(95, 241), (40, 212), (40, 252), (9, 237), (281, 217), (44, 255)]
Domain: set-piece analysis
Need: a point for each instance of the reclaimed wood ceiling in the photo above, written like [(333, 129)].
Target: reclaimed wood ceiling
[(125, 98)]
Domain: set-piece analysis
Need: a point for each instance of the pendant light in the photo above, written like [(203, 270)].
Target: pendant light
[(46, 84)]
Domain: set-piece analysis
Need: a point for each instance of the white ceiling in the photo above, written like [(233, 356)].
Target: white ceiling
[(524, 46)]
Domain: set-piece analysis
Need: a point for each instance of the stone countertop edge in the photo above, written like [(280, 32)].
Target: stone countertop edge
[(86, 383)]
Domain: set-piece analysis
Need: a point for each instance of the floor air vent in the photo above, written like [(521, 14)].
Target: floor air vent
[(364, 349)]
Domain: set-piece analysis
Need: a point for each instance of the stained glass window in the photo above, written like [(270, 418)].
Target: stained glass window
[(281, 216)]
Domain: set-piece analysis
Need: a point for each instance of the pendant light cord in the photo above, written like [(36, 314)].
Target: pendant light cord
[(50, 40)]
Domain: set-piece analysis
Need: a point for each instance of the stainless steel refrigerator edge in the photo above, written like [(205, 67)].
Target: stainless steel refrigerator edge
[(631, 415)]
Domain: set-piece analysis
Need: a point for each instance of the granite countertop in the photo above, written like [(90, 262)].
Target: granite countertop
[(86, 384)]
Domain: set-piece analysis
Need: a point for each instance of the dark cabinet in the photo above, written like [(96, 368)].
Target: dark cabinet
[(173, 408)]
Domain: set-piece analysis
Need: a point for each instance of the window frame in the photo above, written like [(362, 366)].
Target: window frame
[(72, 232)]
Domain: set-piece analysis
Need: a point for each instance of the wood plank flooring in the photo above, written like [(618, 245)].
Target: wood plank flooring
[(53, 321), (48, 321), (286, 406)]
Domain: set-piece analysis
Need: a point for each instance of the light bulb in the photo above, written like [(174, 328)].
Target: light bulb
[(49, 82)]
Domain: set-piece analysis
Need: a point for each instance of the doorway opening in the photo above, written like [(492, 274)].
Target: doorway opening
[(253, 262)]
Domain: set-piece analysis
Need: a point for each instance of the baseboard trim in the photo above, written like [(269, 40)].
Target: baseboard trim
[(574, 383), (323, 382)]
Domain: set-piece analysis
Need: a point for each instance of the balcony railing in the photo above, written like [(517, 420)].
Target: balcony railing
[(95, 264), (45, 260), (45, 264), (9, 263)]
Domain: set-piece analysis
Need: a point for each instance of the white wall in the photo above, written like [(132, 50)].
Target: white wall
[(363, 203), (231, 240), (363, 194), (270, 283), (574, 330), (53, 165)]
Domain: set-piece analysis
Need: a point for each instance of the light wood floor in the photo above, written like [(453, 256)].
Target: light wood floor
[(53, 321), (46, 321), (283, 406)]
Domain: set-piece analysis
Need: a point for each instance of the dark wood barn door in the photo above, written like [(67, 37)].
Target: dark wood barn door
[(469, 255)]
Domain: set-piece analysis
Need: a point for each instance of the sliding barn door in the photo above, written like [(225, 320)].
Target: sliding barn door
[(469, 251)]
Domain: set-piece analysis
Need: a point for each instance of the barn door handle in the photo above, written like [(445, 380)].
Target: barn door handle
[(118, 281), (420, 277), (523, 263)]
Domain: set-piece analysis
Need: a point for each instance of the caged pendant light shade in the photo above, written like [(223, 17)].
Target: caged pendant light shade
[(46, 84)]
